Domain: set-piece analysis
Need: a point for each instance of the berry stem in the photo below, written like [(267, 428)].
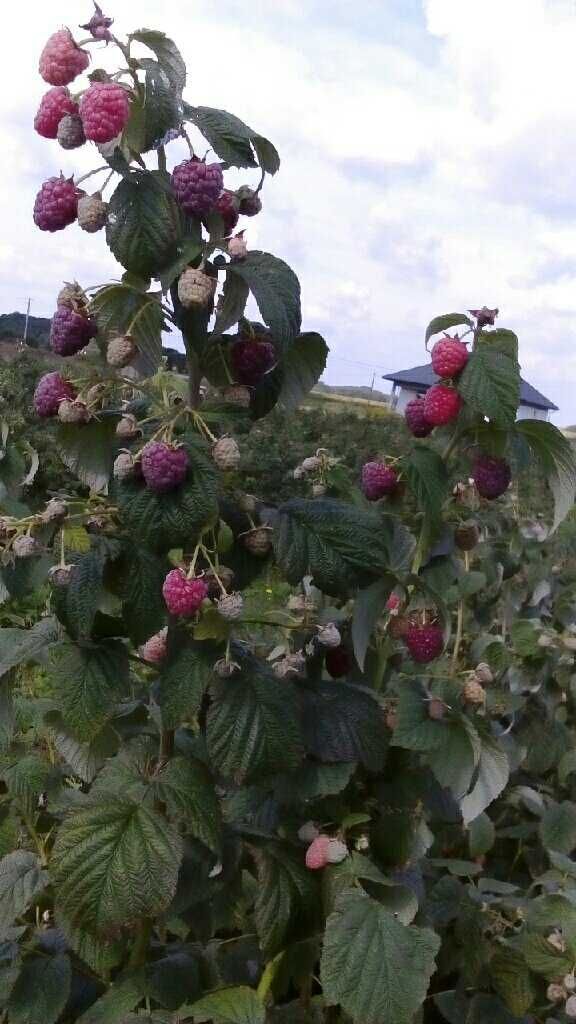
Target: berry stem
[(89, 174), (460, 620)]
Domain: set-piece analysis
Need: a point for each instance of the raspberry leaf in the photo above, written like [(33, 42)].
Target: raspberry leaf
[(493, 773), (144, 223), (428, 480), (167, 53), (115, 862), (186, 787), (444, 322), (22, 879), (372, 965), (123, 309), (558, 827), (231, 304), (343, 723), (161, 110), (490, 381), (277, 292), (232, 140), (144, 610), (286, 895), (535, 439), (227, 1006), (88, 681), (19, 646), (368, 607), (89, 451), (85, 759), (253, 727), (337, 544), (42, 988)]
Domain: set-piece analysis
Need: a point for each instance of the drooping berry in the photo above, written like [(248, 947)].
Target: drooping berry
[(237, 247), (308, 832), (258, 541), (251, 359), (424, 642), (492, 476), (61, 59), (99, 25), (70, 331), (72, 295), (227, 206), (337, 851), (449, 357), (230, 606), (467, 535), (25, 546), (73, 412), (164, 466), (441, 405), (378, 480), (226, 454), (183, 596), (56, 204), (60, 575), (70, 132), (416, 421), (155, 649), (54, 105), (195, 288), (250, 203), (197, 186), (51, 389), (317, 853), (92, 213), (104, 109), (125, 466), (121, 351), (338, 662)]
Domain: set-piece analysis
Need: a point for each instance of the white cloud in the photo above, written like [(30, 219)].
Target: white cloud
[(417, 177)]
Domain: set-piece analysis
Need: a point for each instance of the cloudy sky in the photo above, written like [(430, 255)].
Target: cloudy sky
[(428, 163)]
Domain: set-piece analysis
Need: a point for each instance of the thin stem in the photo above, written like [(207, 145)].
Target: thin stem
[(460, 620), (141, 943), (166, 745), (193, 380), (96, 170)]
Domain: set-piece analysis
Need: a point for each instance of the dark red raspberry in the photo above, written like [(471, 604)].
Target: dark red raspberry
[(491, 475), (252, 358), (449, 357), (99, 25), (424, 642), (378, 479), (53, 106), (70, 331), (183, 596), (104, 109), (227, 207), (338, 662), (250, 202), (164, 466), (52, 389), (197, 186), (61, 59), (441, 405), (56, 204), (416, 420)]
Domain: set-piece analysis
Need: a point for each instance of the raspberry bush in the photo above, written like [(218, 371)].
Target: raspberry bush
[(357, 807)]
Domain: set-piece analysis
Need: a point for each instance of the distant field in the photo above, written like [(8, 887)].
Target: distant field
[(345, 403)]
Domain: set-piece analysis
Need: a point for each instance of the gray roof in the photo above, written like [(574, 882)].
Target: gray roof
[(422, 377)]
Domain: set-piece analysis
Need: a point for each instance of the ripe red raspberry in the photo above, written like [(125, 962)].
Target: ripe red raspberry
[(53, 106), (183, 596), (491, 475), (227, 207), (449, 356), (61, 59), (51, 389), (155, 649), (70, 331), (317, 853), (425, 642), (416, 421), (197, 186), (338, 662), (441, 405), (378, 479), (164, 466), (104, 109), (252, 358), (56, 204)]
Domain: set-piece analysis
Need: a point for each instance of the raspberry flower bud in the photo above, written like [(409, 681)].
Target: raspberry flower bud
[(308, 832), (249, 200), (99, 25), (125, 466), (473, 692)]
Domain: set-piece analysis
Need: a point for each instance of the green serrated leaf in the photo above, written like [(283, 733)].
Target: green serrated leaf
[(189, 250), (22, 879), (493, 773), (85, 759), (113, 863), (122, 996), (490, 383), (344, 723), (511, 978), (41, 990), (481, 835), (144, 609), (312, 781), (167, 53), (300, 368), (144, 223), (184, 678), (554, 453), (89, 453), (372, 965), (276, 290), (84, 591), (286, 893), (444, 322), (231, 303), (428, 480), (543, 958), (368, 607), (88, 681), (335, 543), (232, 140), (558, 827), (100, 955), (18, 646), (227, 1006), (187, 789)]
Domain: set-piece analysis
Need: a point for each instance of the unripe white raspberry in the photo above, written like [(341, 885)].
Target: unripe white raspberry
[(337, 851), (308, 832), (226, 454), (329, 635), (483, 673), (473, 691), (230, 606), (195, 288), (121, 351), (55, 511), (237, 247), (73, 412), (312, 463), (127, 427), (25, 547), (92, 213)]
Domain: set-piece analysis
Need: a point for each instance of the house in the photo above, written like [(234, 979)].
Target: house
[(408, 384)]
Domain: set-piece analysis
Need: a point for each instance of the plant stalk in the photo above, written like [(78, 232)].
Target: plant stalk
[(141, 943)]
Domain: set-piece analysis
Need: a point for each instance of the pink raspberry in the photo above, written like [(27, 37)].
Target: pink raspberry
[(393, 603), (61, 59), (425, 642), (197, 186), (441, 405), (227, 207), (104, 109), (155, 648), (449, 357), (491, 475), (183, 596), (70, 331), (378, 479), (251, 360), (53, 106), (52, 389), (164, 466), (317, 853), (416, 420), (56, 204)]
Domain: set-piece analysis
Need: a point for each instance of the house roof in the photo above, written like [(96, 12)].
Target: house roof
[(422, 377)]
